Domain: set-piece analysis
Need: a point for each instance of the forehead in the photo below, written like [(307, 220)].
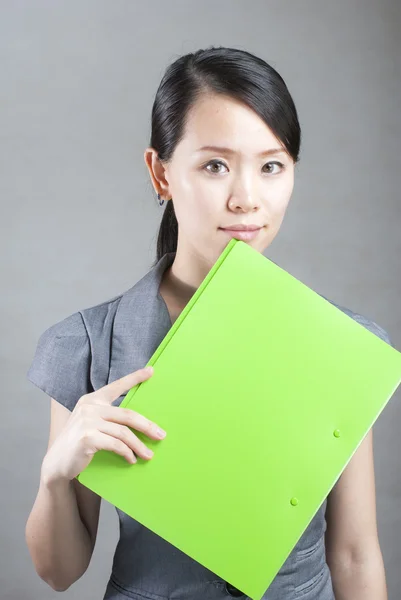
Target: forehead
[(223, 121)]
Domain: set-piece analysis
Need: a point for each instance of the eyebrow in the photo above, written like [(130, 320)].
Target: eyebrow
[(225, 150)]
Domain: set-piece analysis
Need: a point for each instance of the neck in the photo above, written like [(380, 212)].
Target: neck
[(181, 280)]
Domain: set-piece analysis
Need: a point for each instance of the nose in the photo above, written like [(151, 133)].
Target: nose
[(244, 197), (243, 204)]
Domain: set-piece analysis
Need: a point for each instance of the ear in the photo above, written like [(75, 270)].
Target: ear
[(157, 171)]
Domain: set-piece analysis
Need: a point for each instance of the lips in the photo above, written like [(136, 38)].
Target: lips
[(245, 233), (242, 227)]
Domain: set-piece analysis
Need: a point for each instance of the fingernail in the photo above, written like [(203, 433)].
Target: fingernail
[(148, 453), (148, 369), (161, 433)]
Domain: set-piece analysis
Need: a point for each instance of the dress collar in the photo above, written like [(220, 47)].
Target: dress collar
[(141, 322)]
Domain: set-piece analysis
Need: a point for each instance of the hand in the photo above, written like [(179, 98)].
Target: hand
[(96, 425)]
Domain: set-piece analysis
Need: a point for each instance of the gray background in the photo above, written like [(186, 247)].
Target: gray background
[(79, 216)]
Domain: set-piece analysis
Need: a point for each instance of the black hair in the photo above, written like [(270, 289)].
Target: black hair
[(228, 71)]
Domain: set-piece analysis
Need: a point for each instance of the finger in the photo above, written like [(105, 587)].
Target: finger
[(108, 393), (124, 433), (130, 418), (98, 440)]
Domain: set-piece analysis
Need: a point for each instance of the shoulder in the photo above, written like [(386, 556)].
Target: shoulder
[(362, 320), (69, 326), (79, 323), (64, 363)]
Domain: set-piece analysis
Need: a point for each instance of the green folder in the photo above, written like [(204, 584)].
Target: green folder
[(265, 390)]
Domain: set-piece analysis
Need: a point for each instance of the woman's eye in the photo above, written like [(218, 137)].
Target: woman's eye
[(270, 165), (274, 163), (213, 163)]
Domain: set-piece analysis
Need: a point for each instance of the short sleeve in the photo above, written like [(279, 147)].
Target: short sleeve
[(374, 328), (61, 363)]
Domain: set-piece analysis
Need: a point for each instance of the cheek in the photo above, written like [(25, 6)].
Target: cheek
[(280, 197), (195, 212), (195, 197), (201, 204)]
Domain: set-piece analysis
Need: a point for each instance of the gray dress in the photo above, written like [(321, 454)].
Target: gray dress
[(100, 344)]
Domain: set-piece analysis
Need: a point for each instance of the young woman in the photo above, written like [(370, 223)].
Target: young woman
[(224, 144)]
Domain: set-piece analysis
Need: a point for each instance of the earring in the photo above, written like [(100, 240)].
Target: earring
[(161, 202)]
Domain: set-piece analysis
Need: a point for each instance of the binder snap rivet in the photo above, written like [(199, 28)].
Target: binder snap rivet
[(337, 433), (294, 501)]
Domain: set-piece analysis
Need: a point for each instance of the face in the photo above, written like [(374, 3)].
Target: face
[(249, 183)]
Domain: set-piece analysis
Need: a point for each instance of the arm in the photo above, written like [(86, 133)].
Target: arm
[(62, 526), (61, 529), (352, 545)]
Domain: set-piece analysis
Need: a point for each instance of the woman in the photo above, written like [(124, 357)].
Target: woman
[(225, 141)]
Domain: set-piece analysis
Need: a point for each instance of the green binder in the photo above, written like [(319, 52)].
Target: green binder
[(265, 390)]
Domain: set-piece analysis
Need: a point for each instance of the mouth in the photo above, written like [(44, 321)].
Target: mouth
[(242, 232)]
